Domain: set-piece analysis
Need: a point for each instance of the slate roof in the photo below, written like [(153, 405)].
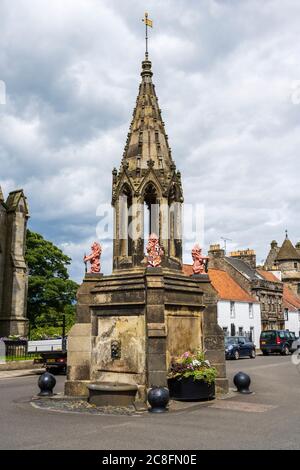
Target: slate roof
[(244, 268), (287, 252)]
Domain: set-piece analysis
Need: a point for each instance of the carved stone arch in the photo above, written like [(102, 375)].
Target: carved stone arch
[(151, 178), (124, 180), (126, 189)]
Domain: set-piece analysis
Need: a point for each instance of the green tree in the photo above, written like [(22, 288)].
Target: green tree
[(50, 291)]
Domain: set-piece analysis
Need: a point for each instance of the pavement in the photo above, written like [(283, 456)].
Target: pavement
[(267, 419), (7, 374)]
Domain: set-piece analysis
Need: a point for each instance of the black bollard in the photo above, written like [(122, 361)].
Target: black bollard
[(46, 384), (158, 398), (242, 382)]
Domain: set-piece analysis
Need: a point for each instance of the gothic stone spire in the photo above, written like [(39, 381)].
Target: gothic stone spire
[(147, 173)]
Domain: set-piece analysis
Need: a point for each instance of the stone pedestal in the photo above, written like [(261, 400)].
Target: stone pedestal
[(130, 325)]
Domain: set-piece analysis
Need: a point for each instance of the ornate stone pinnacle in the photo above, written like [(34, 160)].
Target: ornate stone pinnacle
[(150, 163)]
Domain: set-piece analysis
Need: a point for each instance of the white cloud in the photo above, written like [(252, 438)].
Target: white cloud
[(226, 74)]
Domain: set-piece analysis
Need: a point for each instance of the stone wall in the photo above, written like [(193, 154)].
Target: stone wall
[(139, 320)]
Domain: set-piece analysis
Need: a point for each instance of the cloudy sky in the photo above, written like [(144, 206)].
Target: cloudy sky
[(227, 74)]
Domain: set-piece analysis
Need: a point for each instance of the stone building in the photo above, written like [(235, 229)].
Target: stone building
[(13, 272), (262, 285), (131, 323), (238, 311), (285, 259)]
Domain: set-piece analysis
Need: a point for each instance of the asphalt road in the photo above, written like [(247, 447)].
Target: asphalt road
[(267, 419)]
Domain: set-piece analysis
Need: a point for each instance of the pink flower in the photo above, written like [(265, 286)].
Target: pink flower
[(186, 354)]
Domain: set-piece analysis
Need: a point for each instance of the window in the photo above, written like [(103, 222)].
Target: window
[(232, 309), (295, 265), (232, 329), (268, 335), (241, 331), (252, 333), (225, 329), (286, 314), (251, 311)]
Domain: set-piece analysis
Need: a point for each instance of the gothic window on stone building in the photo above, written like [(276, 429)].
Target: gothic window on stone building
[(151, 211), (295, 265)]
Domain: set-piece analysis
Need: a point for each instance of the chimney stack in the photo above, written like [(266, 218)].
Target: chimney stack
[(216, 256), (249, 256)]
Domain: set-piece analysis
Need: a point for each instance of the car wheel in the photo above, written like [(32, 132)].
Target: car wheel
[(285, 351), (236, 355), (253, 354)]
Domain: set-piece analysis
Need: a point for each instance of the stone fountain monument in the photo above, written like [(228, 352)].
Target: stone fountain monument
[(130, 323)]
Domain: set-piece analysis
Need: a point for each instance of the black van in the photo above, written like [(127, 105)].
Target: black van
[(279, 341)]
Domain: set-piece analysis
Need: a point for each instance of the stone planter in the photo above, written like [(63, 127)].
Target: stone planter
[(188, 389)]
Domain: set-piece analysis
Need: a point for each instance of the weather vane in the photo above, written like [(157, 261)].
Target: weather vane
[(149, 23)]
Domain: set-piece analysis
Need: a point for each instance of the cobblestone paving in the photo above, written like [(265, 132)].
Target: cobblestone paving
[(81, 406)]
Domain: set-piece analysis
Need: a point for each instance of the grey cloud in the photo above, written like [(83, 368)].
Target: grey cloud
[(223, 72)]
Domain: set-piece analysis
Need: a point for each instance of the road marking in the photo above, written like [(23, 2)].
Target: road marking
[(242, 406)]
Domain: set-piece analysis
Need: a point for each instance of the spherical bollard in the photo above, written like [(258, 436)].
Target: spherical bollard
[(46, 384), (242, 382), (158, 398)]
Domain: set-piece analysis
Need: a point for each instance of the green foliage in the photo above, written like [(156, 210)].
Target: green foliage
[(193, 365), (50, 291)]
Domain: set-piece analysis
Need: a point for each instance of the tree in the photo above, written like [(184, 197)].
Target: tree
[(50, 291)]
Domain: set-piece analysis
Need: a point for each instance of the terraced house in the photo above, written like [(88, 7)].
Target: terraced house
[(263, 286)]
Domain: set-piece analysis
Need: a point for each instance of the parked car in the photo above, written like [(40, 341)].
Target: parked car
[(239, 346), (55, 361), (276, 341)]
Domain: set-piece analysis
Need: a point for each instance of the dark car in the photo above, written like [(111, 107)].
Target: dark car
[(239, 346), (276, 341), (55, 361)]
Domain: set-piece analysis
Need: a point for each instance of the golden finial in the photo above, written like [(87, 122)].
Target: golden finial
[(149, 23)]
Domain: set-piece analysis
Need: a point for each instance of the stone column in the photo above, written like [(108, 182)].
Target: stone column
[(164, 225), (156, 328), (137, 230)]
